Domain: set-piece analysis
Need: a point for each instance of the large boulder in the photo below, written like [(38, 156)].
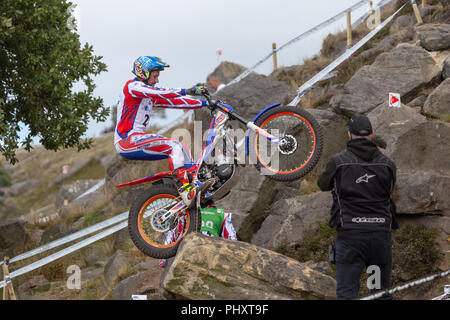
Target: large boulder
[(249, 199), (73, 190), (404, 70), (434, 37), (418, 147), (389, 124), (249, 96), (145, 283), (446, 68), (402, 22), (290, 217), (12, 236), (215, 268), (334, 130), (422, 192), (438, 102), (412, 142), (116, 267), (227, 71)]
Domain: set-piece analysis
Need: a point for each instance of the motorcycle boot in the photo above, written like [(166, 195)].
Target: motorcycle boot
[(186, 188)]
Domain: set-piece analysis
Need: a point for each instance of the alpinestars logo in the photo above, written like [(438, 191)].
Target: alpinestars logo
[(365, 178), (368, 220)]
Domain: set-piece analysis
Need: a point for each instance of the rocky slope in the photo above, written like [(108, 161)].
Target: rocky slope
[(408, 59)]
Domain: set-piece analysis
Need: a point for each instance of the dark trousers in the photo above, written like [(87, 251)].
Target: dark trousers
[(354, 251)]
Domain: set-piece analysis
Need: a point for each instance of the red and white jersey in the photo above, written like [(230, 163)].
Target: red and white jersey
[(137, 100)]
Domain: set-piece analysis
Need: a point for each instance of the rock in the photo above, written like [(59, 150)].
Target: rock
[(428, 153), (248, 200), (403, 70), (438, 102), (147, 265), (94, 256), (391, 123), (290, 217), (146, 282), (13, 236), (251, 95), (72, 191), (115, 268), (418, 102), (122, 240), (402, 22), (434, 37), (90, 274), (215, 268), (227, 71), (334, 130), (399, 129), (384, 45), (446, 68), (422, 192), (54, 232)]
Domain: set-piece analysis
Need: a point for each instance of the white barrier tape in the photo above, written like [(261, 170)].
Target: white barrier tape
[(407, 285), (308, 85), (301, 36), (71, 237), (380, 5), (93, 189), (64, 252)]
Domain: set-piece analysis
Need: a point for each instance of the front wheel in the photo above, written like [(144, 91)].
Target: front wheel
[(300, 144), (157, 240)]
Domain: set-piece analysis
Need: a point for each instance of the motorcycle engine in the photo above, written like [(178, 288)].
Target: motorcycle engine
[(224, 172)]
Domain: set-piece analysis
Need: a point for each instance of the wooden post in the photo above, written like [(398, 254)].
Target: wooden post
[(417, 12), (424, 3), (274, 54), (9, 287), (310, 99), (349, 28)]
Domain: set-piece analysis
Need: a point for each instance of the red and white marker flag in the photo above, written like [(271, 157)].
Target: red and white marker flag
[(65, 169), (394, 100)]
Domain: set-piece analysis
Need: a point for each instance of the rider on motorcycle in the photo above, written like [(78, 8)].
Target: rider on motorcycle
[(137, 99), (216, 222)]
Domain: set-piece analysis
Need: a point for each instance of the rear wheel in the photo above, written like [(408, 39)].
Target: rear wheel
[(300, 143), (160, 240)]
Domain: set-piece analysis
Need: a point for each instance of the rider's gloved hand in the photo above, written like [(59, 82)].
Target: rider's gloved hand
[(196, 90)]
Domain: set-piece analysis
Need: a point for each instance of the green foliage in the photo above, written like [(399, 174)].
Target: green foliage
[(314, 244), (414, 251), (5, 179), (41, 59)]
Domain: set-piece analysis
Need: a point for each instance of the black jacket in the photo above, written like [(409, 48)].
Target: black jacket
[(361, 179)]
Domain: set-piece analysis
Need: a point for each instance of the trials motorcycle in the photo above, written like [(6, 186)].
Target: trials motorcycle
[(284, 143)]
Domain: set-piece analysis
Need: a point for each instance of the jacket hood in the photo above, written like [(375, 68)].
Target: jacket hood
[(363, 148)]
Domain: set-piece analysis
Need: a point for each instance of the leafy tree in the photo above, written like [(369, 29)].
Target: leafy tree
[(41, 59)]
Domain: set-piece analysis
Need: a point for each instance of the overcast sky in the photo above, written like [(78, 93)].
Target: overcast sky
[(187, 34)]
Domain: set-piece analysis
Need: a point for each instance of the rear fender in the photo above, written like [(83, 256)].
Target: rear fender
[(155, 177)]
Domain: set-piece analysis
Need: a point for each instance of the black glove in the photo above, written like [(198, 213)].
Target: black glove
[(196, 91)]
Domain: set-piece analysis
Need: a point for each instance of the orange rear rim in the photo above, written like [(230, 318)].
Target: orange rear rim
[(311, 154), (140, 222)]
